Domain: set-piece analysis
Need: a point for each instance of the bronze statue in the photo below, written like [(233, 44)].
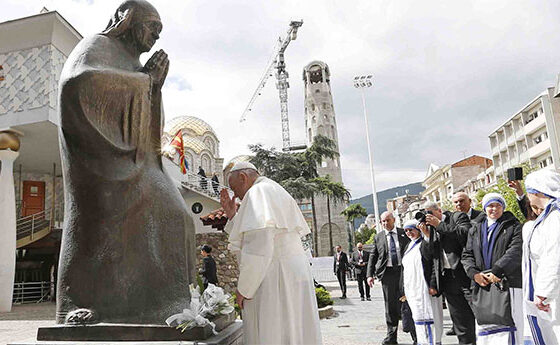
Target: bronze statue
[(127, 251)]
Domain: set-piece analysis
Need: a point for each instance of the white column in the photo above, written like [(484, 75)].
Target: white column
[(8, 229)]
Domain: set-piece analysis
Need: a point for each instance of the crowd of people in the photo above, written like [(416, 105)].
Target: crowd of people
[(500, 279)]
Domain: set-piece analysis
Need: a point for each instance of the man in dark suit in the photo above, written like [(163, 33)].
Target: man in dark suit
[(451, 231), (359, 260), (385, 264), (462, 203), (208, 269), (340, 268)]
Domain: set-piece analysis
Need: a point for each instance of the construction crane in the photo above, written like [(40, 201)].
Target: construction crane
[(277, 61)]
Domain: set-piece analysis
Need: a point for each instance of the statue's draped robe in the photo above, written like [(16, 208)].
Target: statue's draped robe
[(128, 243)]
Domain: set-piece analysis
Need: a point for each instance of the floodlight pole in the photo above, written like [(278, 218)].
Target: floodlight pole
[(362, 82)]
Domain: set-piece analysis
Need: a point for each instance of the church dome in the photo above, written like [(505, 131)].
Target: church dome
[(192, 126)]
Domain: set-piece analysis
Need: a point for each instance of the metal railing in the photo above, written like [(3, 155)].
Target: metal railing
[(31, 292), (203, 185), (27, 226)]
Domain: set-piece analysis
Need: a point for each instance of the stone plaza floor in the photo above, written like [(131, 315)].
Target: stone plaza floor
[(363, 322), (354, 323)]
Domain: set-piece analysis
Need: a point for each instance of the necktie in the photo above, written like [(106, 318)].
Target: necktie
[(393, 251)]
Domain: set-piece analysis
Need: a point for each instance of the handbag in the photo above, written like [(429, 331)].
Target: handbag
[(406, 315), (492, 304)]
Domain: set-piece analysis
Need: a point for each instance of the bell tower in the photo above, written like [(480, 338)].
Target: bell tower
[(320, 119)]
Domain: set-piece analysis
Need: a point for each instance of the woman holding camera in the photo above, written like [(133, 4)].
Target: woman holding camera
[(492, 259), (541, 257)]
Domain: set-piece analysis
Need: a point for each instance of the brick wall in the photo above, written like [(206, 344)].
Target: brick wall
[(226, 262)]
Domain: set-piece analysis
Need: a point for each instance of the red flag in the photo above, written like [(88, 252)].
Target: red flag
[(177, 144)]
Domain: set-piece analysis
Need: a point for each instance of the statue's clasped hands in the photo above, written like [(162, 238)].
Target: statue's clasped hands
[(157, 67)]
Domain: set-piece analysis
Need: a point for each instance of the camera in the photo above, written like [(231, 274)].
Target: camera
[(420, 216), (515, 174)]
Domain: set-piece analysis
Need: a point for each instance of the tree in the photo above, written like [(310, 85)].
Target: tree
[(351, 213), (335, 192), (364, 233), (508, 194)]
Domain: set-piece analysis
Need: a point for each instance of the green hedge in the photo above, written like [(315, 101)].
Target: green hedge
[(323, 297)]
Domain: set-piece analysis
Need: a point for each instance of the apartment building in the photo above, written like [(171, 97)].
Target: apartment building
[(529, 136), (442, 182)]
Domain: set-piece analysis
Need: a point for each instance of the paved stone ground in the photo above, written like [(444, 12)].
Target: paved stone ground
[(360, 323), (22, 323), (355, 322)]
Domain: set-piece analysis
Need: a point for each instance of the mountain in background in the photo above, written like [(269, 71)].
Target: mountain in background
[(383, 196)]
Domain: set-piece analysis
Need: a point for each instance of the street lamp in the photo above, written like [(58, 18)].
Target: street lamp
[(362, 82)]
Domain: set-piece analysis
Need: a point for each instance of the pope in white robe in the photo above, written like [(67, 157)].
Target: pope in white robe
[(541, 258), (427, 310), (275, 287)]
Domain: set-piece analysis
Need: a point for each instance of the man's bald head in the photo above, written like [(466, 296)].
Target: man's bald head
[(461, 202), (387, 220)]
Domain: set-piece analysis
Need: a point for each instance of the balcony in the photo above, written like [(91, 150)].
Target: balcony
[(539, 149), (534, 125)]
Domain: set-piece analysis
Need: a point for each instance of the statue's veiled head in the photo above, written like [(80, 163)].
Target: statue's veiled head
[(137, 23)]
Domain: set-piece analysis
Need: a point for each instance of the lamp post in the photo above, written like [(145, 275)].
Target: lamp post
[(362, 82)]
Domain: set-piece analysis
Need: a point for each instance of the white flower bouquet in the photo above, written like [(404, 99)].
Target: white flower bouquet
[(213, 302)]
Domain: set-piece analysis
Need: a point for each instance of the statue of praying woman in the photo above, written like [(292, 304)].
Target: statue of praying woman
[(127, 253)]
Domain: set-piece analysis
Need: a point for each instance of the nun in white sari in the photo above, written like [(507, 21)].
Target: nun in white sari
[(427, 310), (541, 258), (275, 286)]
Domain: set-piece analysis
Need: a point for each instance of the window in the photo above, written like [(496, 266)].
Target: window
[(325, 118), (312, 107), (325, 106), (323, 164), (317, 91)]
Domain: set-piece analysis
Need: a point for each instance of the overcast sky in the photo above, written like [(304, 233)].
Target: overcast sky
[(447, 73)]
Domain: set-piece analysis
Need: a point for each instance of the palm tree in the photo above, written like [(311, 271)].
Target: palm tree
[(335, 192), (321, 148), (353, 212)]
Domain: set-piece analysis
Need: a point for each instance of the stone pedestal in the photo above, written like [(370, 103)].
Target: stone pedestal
[(231, 335), (7, 230)]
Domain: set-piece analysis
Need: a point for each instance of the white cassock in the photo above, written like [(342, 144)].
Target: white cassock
[(427, 311), (541, 276), (274, 271)]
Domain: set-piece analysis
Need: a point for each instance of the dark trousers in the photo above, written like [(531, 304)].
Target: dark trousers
[(341, 275), (459, 308), (362, 281), (391, 294)]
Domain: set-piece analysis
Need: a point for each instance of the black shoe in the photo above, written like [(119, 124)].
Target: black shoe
[(343, 297), (389, 342), (362, 299), (368, 298), (451, 332)]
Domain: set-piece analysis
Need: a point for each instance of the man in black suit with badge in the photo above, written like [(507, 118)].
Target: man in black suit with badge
[(385, 264), (359, 260), (340, 268), (450, 230)]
